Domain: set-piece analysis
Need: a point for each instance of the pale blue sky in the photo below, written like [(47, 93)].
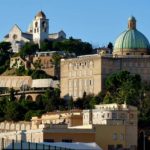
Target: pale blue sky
[(95, 21)]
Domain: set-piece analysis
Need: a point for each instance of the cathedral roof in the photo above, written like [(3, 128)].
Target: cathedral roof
[(41, 15), (131, 39)]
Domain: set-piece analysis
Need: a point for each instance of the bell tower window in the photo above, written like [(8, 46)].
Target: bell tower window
[(36, 24), (44, 26)]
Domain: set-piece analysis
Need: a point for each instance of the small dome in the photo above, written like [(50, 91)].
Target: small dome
[(30, 28), (131, 42), (41, 15), (131, 18)]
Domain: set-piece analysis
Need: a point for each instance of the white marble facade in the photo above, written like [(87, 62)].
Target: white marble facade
[(38, 31)]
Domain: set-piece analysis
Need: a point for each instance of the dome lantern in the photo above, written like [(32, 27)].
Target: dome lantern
[(131, 23)]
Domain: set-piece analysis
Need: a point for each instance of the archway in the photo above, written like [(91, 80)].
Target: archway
[(29, 98)]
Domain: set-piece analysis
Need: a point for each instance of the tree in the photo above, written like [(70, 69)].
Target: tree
[(37, 64), (70, 103), (3, 102), (12, 111), (28, 49), (46, 45), (32, 113), (72, 45), (4, 46), (56, 59), (123, 86), (4, 56), (39, 74), (20, 71), (12, 95), (110, 46)]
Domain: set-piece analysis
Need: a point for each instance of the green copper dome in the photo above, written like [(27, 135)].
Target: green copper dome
[(131, 41)]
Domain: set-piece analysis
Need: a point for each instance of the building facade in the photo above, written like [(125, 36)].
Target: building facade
[(119, 121)]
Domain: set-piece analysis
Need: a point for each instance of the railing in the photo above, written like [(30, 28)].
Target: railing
[(24, 92), (22, 145)]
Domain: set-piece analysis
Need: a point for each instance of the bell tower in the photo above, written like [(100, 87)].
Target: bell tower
[(40, 27)]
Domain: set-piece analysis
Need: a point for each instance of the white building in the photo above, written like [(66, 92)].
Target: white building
[(38, 31), (111, 114)]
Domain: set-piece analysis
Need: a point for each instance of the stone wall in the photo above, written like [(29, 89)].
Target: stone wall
[(14, 126)]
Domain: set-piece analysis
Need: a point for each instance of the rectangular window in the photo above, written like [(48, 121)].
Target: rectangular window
[(48, 140), (121, 136), (108, 115), (111, 147), (114, 136), (67, 140), (119, 146), (70, 83), (114, 115)]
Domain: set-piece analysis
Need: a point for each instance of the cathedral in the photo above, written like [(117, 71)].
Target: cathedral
[(38, 31), (88, 73)]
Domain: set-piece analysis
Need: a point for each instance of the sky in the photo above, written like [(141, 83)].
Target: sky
[(96, 21)]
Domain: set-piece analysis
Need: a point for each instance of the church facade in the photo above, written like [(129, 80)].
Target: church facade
[(38, 31), (88, 73)]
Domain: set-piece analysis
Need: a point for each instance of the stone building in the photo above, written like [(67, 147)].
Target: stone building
[(38, 31), (88, 73)]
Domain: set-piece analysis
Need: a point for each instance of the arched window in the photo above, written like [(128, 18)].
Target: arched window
[(43, 24), (36, 24), (70, 65), (29, 98)]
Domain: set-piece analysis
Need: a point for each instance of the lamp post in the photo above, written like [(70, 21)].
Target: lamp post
[(144, 140), (144, 135)]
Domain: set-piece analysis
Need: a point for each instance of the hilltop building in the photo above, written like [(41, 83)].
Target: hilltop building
[(38, 31), (88, 73)]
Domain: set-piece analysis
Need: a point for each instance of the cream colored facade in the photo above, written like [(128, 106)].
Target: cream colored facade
[(70, 118), (119, 121), (88, 73), (79, 75), (114, 136), (17, 38), (111, 114)]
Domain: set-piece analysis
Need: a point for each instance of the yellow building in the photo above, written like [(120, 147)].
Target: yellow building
[(115, 125), (71, 118), (88, 73)]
